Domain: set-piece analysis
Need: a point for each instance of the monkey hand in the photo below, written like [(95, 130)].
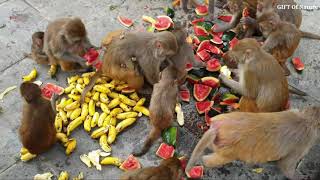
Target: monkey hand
[(248, 21)]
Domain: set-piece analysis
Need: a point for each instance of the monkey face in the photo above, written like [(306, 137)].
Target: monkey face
[(233, 6), (266, 28)]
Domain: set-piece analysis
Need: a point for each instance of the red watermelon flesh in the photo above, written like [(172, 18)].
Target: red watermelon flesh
[(200, 31), (204, 106), (165, 151), (196, 21), (189, 66), (213, 65), (225, 18), (207, 118), (219, 34), (201, 92), (163, 23), (125, 21), (216, 50), (185, 95), (216, 40), (195, 40), (233, 42), (204, 55), (91, 55), (196, 172), (210, 81), (130, 164), (201, 10), (184, 162), (48, 90), (204, 45), (298, 64)]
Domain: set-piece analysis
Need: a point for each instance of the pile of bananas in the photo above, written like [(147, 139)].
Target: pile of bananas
[(109, 108)]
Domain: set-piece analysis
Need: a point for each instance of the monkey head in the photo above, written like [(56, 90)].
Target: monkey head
[(74, 32), (268, 22), (30, 91), (165, 45), (241, 52), (265, 5), (37, 39), (234, 5)]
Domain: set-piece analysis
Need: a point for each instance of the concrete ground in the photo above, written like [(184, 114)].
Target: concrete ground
[(20, 18)]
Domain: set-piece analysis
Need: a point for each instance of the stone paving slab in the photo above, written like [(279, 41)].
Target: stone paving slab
[(23, 17)]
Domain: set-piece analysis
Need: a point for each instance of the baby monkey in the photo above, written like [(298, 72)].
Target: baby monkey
[(162, 105), (37, 52), (37, 131), (285, 137), (169, 169)]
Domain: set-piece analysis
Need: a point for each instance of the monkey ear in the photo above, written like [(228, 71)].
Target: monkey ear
[(30, 91)]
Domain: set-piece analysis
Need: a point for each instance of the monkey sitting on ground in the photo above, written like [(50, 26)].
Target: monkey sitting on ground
[(169, 169), (65, 42), (162, 106), (37, 52), (285, 137), (262, 83), (37, 131)]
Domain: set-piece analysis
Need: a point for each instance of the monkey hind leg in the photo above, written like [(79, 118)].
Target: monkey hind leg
[(153, 136), (248, 105), (215, 160), (285, 68), (288, 167)]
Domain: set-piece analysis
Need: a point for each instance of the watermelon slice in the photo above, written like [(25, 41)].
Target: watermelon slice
[(130, 164), (127, 90), (165, 151), (91, 56), (200, 31), (196, 21), (204, 106), (185, 95), (125, 21), (163, 23), (229, 98), (169, 136), (225, 18), (216, 50), (210, 81), (213, 65), (201, 92), (192, 79), (196, 172), (216, 40), (204, 45), (202, 10), (48, 90), (298, 64), (189, 66), (204, 55), (233, 42), (184, 162)]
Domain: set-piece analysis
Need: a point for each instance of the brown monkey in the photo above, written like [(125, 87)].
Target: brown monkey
[(284, 137), (262, 83), (135, 56), (106, 41), (169, 169), (65, 42), (37, 53), (37, 131), (162, 105)]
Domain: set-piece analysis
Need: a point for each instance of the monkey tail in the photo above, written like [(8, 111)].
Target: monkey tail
[(154, 134), (309, 35), (296, 91), (90, 85), (207, 138)]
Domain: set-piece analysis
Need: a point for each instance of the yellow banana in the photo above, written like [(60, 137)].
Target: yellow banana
[(87, 124), (96, 96), (92, 108), (63, 116), (63, 104), (115, 102), (88, 74), (113, 95), (112, 134), (95, 119), (142, 109), (80, 81), (58, 123), (134, 96), (104, 108), (125, 123), (74, 124), (113, 121), (106, 121), (87, 100), (141, 102), (120, 87), (23, 151), (124, 107), (74, 97), (64, 175), (72, 106), (104, 144), (62, 137), (127, 100), (104, 98), (101, 88), (99, 132), (127, 115), (101, 119), (85, 109), (71, 146), (27, 157), (68, 89), (86, 80), (72, 79), (79, 88), (111, 161), (115, 111), (53, 70), (32, 75), (76, 113)]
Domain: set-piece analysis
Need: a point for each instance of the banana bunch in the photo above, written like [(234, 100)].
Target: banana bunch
[(109, 108)]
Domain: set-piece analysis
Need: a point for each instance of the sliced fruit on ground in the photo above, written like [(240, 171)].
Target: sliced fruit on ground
[(213, 65), (230, 98), (214, 111), (196, 172), (125, 21), (216, 40), (219, 34), (185, 95), (215, 26), (204, 55), (202, 10), (210, 81), (130, 164), (196, 40), (170, 12), (297, 63), (196, 21), (183, 162), (204, 106), (163, 23), (192, 79), (233, 42), (207, 25), (127, 90), (204, 45), (203, 38), (216, 50), (91, 55), (197, 58), (48, 90), (201, 92), (225, 18), (189, 66), (165, 151), (169, 136), (200, 31), (149, 19)]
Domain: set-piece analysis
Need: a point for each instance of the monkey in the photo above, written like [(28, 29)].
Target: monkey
[(37, 53), (169, 169), (106, 41), (136, 57), (284, 137), (65, 42), (262, 83), (37, 131), (162, 106)]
